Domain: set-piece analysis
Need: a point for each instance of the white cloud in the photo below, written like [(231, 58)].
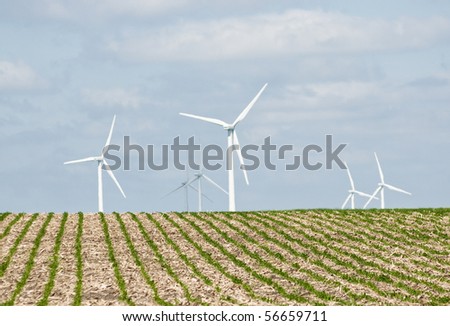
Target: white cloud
[(18, 76), (290, 33), (115, 97)]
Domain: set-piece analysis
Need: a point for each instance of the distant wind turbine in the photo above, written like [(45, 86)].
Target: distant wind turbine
[(383, 185), (233, 142), (198, 177), (186, 185), (353, 191), (102, 164)]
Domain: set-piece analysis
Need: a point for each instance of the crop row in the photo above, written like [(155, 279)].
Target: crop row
[(285, 257)]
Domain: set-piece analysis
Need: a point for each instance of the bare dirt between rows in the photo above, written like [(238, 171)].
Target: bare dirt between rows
[(214, 274)]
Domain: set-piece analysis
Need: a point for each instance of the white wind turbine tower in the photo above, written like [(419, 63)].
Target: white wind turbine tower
[(383, 185), (353, 191), (198, 177), (233, 142), (101, 163)]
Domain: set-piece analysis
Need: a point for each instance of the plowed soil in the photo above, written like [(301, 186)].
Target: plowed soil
[(321, 257)]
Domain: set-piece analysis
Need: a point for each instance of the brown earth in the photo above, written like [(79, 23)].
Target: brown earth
[(387, 257)]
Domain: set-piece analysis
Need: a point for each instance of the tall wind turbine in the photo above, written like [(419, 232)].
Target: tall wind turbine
[(383, 185), (102, 164), (233, 142), (353, 191), (198, 177)]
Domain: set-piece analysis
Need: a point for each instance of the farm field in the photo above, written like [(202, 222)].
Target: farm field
[(305, 257)]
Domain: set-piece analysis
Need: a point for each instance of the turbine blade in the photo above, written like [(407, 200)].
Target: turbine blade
[(346, 201), (191, 181), (350, 176), (363, 194), (88, 159), (241, 159), (397, 189), (211, 120), (175, 190), (379, 168), (214, 184), (203, 195), (192, 187), (249, 107), (372, 197), (108, 141), (111, 174)]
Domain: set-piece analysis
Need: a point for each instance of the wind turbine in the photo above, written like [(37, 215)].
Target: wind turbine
[(186, 185), (102, 164), (353, 191), (383, 185), (198, 177), (233, 143)]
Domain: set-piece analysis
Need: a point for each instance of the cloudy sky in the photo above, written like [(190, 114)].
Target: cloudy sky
[(374, 74)]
